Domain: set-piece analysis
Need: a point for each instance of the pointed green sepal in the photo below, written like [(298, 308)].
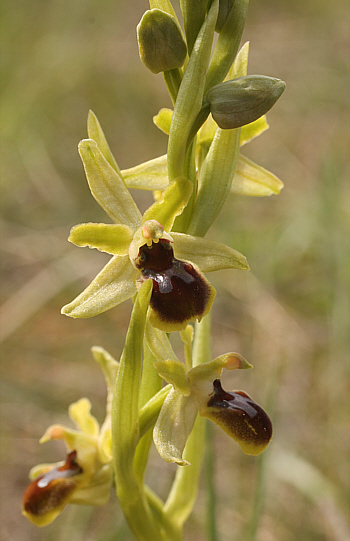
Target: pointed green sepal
[(95, 132), (252, 179), (113, 285), (111, 238), (150, 175), (107, 186), (174, 425), (207, 254), (173, 201)]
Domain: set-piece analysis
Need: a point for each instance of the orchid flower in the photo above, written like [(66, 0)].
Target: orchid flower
[(198, 390), (143, 247), (86, 475)]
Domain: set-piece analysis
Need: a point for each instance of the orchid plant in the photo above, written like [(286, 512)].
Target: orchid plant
[(159, 260)]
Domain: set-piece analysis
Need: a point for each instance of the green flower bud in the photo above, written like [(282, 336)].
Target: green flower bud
[(161, 45), (241, 101)]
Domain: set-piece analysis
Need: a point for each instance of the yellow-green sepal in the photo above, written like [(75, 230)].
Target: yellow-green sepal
[(252, 179), (150, 175), (207, 254), (111, 238), (113, 285), (174, 372), (107, 186), (174, 425), (95, 132), (173, 201)]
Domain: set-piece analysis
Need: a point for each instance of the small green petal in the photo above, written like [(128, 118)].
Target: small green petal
[(150, 175), (107, 186), (111, 238), (252, 130), (252, 179), (171, 204), (163, 120), (95, 132), (174, 372), (174, 425), (208, 255), (79, 412), (113, 285)]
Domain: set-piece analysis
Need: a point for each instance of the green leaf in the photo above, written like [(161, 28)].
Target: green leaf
[(207, 254), (111, 238), (107, 186), (163, 120), (113, 285), (252, 179), (95, 132), (174, 372), (174, 425), (173, 201), (150, 175)]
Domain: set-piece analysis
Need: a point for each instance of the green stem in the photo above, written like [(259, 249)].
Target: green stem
[(211, 496), (151, 383), (183, 493), (125, 422)]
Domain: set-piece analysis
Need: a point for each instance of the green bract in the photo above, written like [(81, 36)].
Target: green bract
[(121, 277), (161, 45)]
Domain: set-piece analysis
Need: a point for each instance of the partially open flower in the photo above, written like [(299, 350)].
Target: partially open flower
[(142, 248), (86, 475), (199, 390)]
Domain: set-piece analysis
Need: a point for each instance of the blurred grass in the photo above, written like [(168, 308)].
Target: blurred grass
[(289, 316)]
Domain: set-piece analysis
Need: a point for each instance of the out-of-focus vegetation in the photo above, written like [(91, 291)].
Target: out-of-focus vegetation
[(289, 316)]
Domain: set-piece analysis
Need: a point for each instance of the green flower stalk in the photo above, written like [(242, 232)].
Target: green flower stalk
[(159, 260)]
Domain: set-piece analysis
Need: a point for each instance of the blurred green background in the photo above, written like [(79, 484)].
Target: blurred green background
[(289, 316)]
